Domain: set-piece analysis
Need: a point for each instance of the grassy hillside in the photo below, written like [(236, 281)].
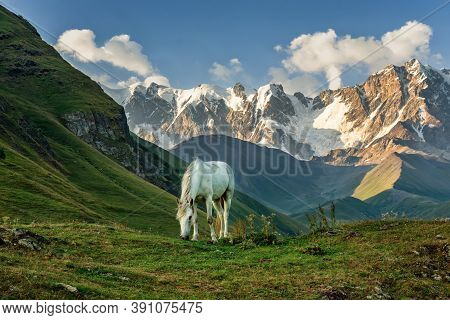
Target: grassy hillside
[(393, 259), (380, 178), (407, 184), (48, 174)]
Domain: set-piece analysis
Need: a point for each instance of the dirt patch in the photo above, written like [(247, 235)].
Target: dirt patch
[(314, 250), (331, 293)]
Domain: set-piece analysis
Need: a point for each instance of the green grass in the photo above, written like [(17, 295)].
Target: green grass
[(397, 258)]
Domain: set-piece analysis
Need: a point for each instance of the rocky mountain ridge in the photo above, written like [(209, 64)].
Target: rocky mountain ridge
[(398, 109)]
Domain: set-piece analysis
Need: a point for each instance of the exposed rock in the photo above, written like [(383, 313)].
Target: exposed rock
[(331, 293), (110, 135), (68, 287), (436, 277), (380, 294), (22, 238)]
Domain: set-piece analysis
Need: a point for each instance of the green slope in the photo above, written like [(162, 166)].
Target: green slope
[(67, 150), (408, 184), (48, 173), (410, 173), (381, 178)]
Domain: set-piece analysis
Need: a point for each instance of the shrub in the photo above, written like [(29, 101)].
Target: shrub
[(312, 223), (239, 229), (319, 221), (249, 233), (333, 214)]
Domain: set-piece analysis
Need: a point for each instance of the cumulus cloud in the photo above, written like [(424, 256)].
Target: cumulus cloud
[(157, 78), (329, 54), (226, 73), (133, 81), (102, 78), (129, 82), (120, 51)]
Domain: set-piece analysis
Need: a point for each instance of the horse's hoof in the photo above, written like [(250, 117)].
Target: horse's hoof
[(194, 239)]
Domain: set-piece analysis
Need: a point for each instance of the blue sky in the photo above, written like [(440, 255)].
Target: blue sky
[(183, 39)]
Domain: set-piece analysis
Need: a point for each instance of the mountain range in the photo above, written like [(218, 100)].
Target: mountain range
[(398, 109)]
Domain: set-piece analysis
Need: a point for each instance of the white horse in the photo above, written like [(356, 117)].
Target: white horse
[(212, 182)]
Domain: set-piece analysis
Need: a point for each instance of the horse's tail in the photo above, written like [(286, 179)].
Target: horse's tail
[(231, 183)]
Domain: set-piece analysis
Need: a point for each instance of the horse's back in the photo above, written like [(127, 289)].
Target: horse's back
[(222, 177)]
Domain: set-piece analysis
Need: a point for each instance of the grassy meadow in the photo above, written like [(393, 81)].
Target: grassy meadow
[(395, 259)]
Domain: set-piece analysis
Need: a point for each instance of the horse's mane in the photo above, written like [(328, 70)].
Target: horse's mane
[(185, 190)]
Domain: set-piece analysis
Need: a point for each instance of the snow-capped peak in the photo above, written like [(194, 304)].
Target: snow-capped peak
[(390, 103)]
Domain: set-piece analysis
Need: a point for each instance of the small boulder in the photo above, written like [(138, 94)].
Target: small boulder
[(22, 238), (29, 244), (68, 287)]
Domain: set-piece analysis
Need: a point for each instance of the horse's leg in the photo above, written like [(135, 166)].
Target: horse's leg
[(226, 213), (195, 235), (219, 210), (210, 219)]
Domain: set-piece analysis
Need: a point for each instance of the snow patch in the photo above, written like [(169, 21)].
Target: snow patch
[(374, 113), (332, 116)]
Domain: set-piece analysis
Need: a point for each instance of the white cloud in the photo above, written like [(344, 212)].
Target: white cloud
[(226, 73), (278, 48), (326, 53), (235, 62), (305, 83), (102, 78), (119, 51), (157, 78), (129, 82), (133, 81)]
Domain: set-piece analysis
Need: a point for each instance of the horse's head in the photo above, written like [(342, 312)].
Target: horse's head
[(185, 217)]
